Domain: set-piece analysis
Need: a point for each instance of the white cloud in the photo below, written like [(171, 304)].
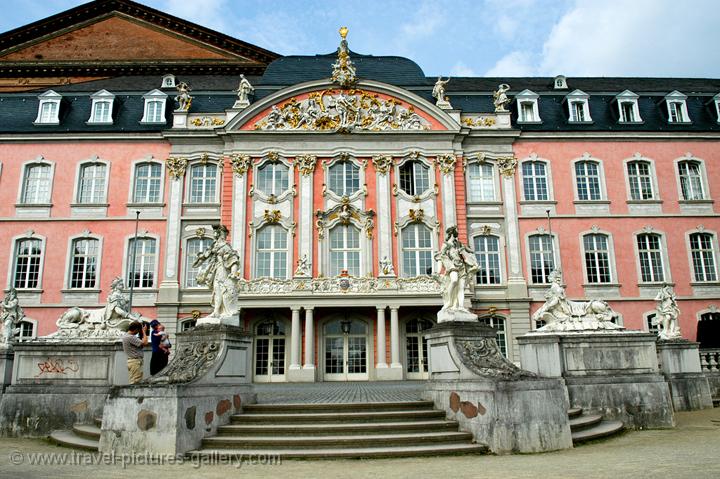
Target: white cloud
[(460, 69), (426, 22), (208, 13), (514, 64)]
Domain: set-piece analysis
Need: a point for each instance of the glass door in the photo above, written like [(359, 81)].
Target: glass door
[(346, 348), (416, 348), (270, 351)]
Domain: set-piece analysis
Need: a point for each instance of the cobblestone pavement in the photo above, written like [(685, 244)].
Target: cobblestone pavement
[(346, 392), (688, 451)]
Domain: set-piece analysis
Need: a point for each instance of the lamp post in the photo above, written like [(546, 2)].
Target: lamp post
[(132, 264)]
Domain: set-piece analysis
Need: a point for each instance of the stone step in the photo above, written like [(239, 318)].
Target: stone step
[(344, 428), (70, 439), (335, 441), (574, 412), (603, 429), (97, 421), (355, 453), (87, 431), (337, 417), (337, 407), (585, 421)]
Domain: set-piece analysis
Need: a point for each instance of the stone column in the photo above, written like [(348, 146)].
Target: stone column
[(296, 372), (295, 339), (394, 372), (381, 343), (309, 339)]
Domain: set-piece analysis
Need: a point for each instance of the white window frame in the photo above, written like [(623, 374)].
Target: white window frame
[(664, 258), (679, 99), (531, 98), (133, 181), (491, 321), (638, 158), (272, 251), (628, 97), (98, 98), (716, 102), (703, 178), (187, 260), (355, 164), (33, 335), (715, 255), (154, 95), (127, 258), (39, 161), (276, 160), (495, 181), (587, 158), (78, 181), (555, 250), (501, 259), (611, 258), (581, 98), (416, 250), (218, 182), (168, 81), (360, 249), (430, 191), (12, 262), (548, 179), (69, 262), (48, 98)]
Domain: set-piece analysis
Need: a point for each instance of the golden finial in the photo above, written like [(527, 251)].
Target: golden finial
[(343, 32)]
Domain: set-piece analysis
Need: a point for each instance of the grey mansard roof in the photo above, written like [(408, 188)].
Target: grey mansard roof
[(215, 94)]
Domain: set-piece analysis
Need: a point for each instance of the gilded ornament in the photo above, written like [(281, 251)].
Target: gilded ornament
[(207, 121), (176, 167), (507, 165), (480, 122), (306, 164), (200, 232), (485, 230), (240, 163), (382, 163), (446, 163), (272, 216), (343, 70), (416, 215)]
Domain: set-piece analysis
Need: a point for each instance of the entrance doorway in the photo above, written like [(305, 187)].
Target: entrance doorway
[(416, 348), (270, 348), (346, 350)]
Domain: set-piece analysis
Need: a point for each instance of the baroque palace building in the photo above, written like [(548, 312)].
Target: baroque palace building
[(337, 176)]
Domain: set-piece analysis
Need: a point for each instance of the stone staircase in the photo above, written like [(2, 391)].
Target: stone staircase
[(340, 430), (587, 427), (81, 436)]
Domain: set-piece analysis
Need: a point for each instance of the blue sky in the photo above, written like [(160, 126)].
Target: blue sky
[(466, 37)]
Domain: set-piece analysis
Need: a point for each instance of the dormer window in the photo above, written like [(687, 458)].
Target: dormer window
[(578, 108), (716, 102), (49, 109), (527, 105), (677, 107), (560, 82), (628, 110), (102, 107), (168, 81), (154, 111)]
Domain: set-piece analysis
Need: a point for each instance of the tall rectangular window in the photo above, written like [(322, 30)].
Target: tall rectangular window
[(192, 248), (535, 182), (141, 274), (271, 252), (92, 183), (49, 112), (26, 273), (703, 257), (102, 112), (627, 111), (481, 182), (148, 182), (154, 111), (542, 258), (414, 179), (344, 178), (272, 178), (487, 252), (527, 111), (344, 250), (651, 263), (676, 112), (597, 258), (691, 182), (83, 273), (577, 111), (587, 175), (640, 179), (417, 250), (203, 183), (36, 184)]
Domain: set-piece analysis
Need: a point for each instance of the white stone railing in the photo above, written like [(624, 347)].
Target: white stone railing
[(347, 284), (710, 360)]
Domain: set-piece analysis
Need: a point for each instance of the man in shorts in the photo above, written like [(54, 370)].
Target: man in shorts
[(133, 347)]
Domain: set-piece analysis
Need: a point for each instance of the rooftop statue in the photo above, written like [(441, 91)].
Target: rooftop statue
[(500, 99), (459, 264), (343, 69), (245, 89), (219, 271), (183, 98), (438, 92), (667, 314), (10, 317), (561, 314)]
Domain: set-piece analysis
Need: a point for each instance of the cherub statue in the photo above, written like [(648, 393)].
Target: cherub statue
[(438, 92), (500, 99), (245, 89), (667, 314), (183, 98), (10, 317)]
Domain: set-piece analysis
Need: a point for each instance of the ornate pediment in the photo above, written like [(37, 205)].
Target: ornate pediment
[(342, 111), (345, 213)]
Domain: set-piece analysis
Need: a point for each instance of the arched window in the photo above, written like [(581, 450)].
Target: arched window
[(36, 184), (142, 274), (650, 258), (28, 255), (703, 257), (542, 258), (487, 251), (344, 178), (272, 178), (344, 250), (587, 176), (91, 186), (84, 263), (535, 181), (272, 252), (192, 248), (481, 182), (417, 250), (498, 323), (148, 183), (414, 178), (691, 180), (203, 183), (640, 179), (597, 258)]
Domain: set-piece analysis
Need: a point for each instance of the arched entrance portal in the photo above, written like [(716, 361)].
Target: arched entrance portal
[(416, 348), (270, 348), (346, 350)]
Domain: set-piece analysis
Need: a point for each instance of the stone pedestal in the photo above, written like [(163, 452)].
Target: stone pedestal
[(7, 355), (180, 119), (508, 409), (232, 320), (680, 364), (207, 381), (610, 373)]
